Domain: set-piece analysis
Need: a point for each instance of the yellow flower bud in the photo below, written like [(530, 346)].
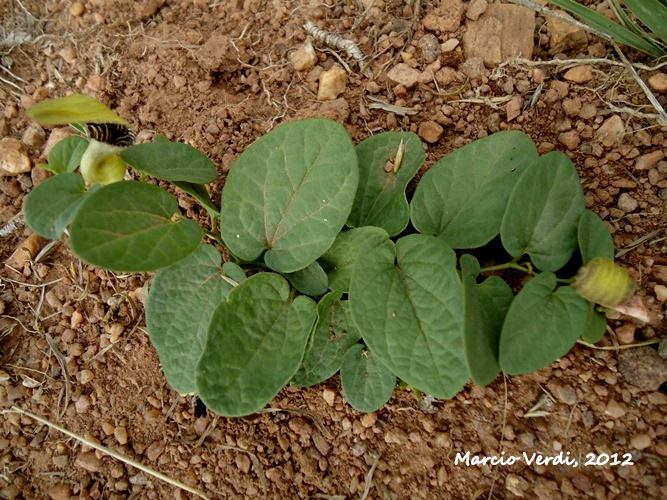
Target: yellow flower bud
[(100, 163), (604, 282)]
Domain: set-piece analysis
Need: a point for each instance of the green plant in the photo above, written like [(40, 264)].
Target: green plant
[(643, 23), (394, 300)]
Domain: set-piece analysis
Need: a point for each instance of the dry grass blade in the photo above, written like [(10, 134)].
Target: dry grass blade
[(106, 451), (255, 462)]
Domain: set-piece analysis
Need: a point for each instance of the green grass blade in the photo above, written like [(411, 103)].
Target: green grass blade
[(617, 32), (653, 14)]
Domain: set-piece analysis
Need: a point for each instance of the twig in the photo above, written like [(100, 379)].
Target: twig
[(107, 451), (63, 366), (369, 477), (638, 242), (618, 347)]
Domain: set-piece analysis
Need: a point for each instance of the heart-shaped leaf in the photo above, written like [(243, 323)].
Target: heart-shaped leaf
[(127, 226), (409, 307), (541, 325), (463, 197), (179, 308), (255, 344), (543, 213), (387, 162), (289, 194)]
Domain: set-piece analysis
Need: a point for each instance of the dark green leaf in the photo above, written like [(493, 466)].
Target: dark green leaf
[(255, 344), (383, 177), (541, 325), (127, 226), (289, 194), (334, 334), (171, 161), (596, 325), (462, 198), (181, 302), (50, 207), (310, 281), (66, 155), (594, 238), (367, 383), (543, 213), (409, 307), (338, 262)]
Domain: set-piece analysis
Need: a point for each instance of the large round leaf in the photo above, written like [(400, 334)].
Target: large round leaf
[(127, 226), (409, 307), (289, 194), (543, 213), (255, 344), (387, 162), (542, 324), (462, 198), (181, 302)]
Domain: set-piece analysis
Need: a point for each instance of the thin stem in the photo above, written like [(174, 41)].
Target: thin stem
[(618, 347), (507, 265)]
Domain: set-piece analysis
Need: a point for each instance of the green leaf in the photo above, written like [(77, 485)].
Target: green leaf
[(75, 108), (255, 344), (334, 334), (367, 383), (409, 307), (179, 308), (543, 212), (338, 262), (485, 309), (380, 199), (596, 325), (234, 271), (462, 198), (171, 161), (52, 205), (653, 14), (541, 325), (617, 32), (127, 226), (594, 238), (311, 280), (289, 194), (66, 155)]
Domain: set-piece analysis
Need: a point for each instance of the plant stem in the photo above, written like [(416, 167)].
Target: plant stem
[(507, 265)]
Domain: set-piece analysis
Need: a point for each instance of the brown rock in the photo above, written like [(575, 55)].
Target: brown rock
[(643, 367), (430, 131), (503, 31), (26, 251), (60, 492), (404, 74), (564, 35), (304, 57), (88, 460), (649, 160), (154, 450), (444, 18), (579, 74), (14, 158), (611, 131), (658, 82)]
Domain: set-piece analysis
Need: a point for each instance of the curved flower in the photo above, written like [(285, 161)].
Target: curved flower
[(100, 163)]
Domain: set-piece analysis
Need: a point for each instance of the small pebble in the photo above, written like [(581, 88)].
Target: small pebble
[(14, 158), (404, 74), (368, 420), (86, 376), (88, 461), (77, 9), (658, 82), (430, 131), (332, 83), (660, 292), (120, 433), (615, 409), (627, 203), (611, 131), (329, 396), (304, 57), (649, 160), (640, 441)]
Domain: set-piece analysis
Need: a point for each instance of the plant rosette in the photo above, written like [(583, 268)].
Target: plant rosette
[(346, 274)]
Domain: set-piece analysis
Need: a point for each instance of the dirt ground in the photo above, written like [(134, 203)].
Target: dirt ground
[(217, 75)]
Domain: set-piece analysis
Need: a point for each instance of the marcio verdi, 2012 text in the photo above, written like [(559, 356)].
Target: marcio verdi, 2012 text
[(562, 458)]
